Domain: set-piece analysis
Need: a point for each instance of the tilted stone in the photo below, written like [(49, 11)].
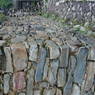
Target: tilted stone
[(81, 66), (19, 56), (76, 90), (37, 92), (52, 74), (51, 91), (21, 93), (46, 69), (6, 83), (58, 92), (53, 49), (19, 82), (30, 81), (64, 57), (9, 67), (2, 42), (33, 51), (40, 65), (61, 77), (69, 84), (90, 71)]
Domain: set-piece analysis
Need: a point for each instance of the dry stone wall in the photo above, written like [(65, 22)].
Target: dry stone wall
[(39, 58), (47, 67), (76, 10)]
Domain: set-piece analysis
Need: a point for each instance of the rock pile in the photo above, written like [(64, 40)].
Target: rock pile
[(44, 63)]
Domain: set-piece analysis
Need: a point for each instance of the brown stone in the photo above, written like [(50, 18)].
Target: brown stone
[(19, 56), (19, 81)]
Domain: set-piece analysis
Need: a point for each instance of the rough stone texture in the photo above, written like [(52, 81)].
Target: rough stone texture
[(53, 49), (48, 62), (19, 56), (64, 56), (79, 10), (19, 81), (81, 66), (40, 66), (9, 67), (61, 80), (76, 90), (6, 83), (33, 51)]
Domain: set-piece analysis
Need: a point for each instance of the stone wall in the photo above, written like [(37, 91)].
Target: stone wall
[(37, 57), (47, 67), (79, 10)]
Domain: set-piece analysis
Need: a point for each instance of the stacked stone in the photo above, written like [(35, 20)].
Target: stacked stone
[(47, 67), (44, 61), (76, 10)]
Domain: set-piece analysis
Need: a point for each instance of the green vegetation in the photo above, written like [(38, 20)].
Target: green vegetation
[(2, 17), (5, 3)]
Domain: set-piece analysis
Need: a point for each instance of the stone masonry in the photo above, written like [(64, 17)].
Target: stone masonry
[(38, 58), (74, 10)]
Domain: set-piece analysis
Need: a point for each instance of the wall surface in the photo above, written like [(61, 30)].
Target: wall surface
[(70, 10)]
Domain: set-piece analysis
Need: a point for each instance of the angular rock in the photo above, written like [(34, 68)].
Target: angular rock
[(33, 51), (19, 82), (19, 56), (9, 67), (40, 66), (69, 84), (53, 49), (46, 69), (51, 91), (30, 81), (37, 92), (22, 94), (61, 77), (2, 42), (52, 74), (81, 66), (90, 71), (18, 39), (6, 83), (64, 57), (58, 92), (76, 90)]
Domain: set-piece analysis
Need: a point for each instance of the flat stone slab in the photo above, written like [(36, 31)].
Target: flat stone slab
[(19, 82), (81, 66), (19, 54)]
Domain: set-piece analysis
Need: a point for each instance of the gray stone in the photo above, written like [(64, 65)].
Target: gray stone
[(46, 69), (58, 92), (90, 71), (61, 77), (52, 74), (81, 66), (6, 83), (40, 65), (9, 67), (64, 57), (33, 51), (69, 84), (43, 84), (53, 49), (30, 81), (2, 42), (37, 92), (51, 91), (76, 90), (21, 93), (18, 39)]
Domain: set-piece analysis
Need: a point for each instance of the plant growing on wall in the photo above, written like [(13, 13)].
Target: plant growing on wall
[(5, 3)]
